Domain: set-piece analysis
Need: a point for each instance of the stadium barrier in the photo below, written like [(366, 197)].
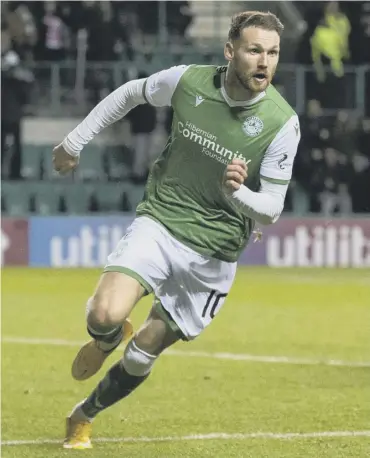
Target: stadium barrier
[(86, 241)]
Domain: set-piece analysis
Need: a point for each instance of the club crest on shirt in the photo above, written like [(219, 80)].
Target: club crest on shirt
[(252, 126)]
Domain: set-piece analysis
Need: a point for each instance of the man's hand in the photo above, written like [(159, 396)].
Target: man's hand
[(235, 174), (62, 161)]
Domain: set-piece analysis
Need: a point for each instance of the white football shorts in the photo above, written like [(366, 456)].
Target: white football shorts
[(190, 287)]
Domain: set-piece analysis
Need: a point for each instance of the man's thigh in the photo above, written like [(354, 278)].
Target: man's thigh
[(114, 298), (142, 254), (196, 291)]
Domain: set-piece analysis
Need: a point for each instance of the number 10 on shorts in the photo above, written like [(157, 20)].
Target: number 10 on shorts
[(212, 303)]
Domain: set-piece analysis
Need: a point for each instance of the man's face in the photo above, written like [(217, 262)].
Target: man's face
[(254, 57)]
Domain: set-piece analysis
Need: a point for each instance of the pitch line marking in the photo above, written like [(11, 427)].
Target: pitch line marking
[(210, 436), (204, 354)]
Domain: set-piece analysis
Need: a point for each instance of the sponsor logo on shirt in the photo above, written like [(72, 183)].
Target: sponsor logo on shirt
[(282, 164), (198, 100), (209, 143)]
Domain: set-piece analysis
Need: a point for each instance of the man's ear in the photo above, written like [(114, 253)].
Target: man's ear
[(229, 51)]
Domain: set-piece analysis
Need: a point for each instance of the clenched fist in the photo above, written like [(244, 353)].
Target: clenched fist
[(235, 174), (63, 162)]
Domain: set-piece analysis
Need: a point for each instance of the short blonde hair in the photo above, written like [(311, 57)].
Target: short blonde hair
[(267, 21)]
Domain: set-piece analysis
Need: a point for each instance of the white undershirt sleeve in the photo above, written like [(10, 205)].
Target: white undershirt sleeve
[(108, 111), (264, 206), (157, 89)]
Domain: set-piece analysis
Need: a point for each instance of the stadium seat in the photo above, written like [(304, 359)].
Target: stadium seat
[(116, 162), (45, 197), (112, 197), (91, 164), (16, 198), (31, 161), (77, 197), (135, 196)]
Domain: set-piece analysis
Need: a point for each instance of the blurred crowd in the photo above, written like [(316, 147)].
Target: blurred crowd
[(337, 34), (332, 169), (332, 172), (48, 31)]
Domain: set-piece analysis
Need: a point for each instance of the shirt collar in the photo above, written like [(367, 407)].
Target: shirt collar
[(238, 103)]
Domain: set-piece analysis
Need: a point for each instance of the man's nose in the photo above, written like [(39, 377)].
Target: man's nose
[(262, 62)]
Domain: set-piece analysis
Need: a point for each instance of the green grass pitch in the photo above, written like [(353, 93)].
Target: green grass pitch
[(311, 317)]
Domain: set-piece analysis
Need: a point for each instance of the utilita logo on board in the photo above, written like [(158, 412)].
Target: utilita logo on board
[(320, 246), (87, 248)]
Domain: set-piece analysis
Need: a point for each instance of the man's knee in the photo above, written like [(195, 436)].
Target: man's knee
[(113, 300), (137, 362), (100, 313)]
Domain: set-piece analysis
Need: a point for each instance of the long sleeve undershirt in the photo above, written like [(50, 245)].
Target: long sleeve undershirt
[(114, 107), (264, 206)]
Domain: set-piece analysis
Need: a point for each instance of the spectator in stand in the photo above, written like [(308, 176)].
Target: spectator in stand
[(311, 123), (344, 132), (179, 18), (339, 22), (101, 33), (330, 41), (123, 26), (364, 137), (21, 26), (360, 188), (328, 167), (55, 33), (143, 122), (15, 81), (334, 196), (330, 46)]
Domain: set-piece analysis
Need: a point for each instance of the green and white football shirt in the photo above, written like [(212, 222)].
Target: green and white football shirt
[(184, 190)]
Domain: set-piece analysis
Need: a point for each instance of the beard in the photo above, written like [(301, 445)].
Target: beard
[(248, 82)]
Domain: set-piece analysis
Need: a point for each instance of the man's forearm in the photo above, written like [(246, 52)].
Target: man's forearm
[(115, 106), (264, 206)]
